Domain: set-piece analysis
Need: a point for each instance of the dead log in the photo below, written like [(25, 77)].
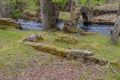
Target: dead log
[(68, 54), (95, 60), (98, 12), (84, 56)]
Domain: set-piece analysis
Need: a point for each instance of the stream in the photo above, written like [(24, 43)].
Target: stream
[(32, 25)]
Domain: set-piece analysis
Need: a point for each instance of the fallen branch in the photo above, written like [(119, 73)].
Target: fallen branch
[(80, 55), (69, 54)]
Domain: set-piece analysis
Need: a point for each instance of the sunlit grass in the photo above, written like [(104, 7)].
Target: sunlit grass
[(97, 43)]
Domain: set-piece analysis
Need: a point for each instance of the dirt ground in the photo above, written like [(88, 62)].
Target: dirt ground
[(50, 67)]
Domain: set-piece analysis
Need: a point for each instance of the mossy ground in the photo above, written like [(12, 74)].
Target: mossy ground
[(11, 40), (13, 53)]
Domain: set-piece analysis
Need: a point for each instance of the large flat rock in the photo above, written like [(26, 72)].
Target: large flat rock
[(8, 22), (104, 19)]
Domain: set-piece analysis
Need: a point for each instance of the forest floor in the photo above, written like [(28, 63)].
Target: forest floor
[(21, 62)]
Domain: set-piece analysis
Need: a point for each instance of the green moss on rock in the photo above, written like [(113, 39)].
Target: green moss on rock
[(34, 38), (66, 39), (66, 53), (8, 23)]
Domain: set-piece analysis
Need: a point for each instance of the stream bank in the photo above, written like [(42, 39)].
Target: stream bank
[(32, 25)]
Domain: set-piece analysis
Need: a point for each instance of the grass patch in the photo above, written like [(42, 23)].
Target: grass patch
[(65, 15), (97, 43), (14, 55)]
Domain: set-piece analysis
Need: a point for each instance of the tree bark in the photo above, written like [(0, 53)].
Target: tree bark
[(71, 8), (48, 15), (78, 2), (69, 5), (3, 10), (108, 1), (115, 32)]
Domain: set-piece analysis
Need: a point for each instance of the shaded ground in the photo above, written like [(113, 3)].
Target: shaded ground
[(49, 67)]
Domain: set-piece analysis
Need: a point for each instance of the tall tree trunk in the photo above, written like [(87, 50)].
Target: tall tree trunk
[(116, 30), (71, 25), (0, 8), (108, 1), (48, 15), (70, 5), (78, 2), (3, 10), (75, 16), (88, 2), (71, 8)]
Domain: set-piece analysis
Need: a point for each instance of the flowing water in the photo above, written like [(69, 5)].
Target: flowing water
[(32, 25), (103, 29)]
